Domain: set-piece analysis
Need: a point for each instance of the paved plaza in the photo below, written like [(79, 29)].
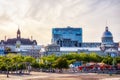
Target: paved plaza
[(61, 76)]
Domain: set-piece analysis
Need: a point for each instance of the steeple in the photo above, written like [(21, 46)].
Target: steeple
[(106, 28), (18, 34), (31, 38)]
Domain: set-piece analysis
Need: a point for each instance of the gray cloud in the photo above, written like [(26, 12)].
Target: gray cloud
[(59, 9), (39, 16)]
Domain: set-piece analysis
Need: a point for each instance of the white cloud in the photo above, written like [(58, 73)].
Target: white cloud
[(37, 17)]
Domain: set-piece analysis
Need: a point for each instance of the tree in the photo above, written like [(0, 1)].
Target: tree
[(118, 59), (48, 61), (84, 57), (71, 61), (8, 62), (61, 63), (7, 49), (35, 64), (95, 57), (29, 59), (107, 60)]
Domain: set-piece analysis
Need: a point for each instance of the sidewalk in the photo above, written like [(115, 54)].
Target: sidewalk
[(111, 79), (60, 76)]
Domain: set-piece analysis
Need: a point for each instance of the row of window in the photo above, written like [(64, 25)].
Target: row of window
[(53, 49)]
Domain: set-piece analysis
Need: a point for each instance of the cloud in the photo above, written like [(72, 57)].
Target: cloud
[(5, 18), (36, 17)]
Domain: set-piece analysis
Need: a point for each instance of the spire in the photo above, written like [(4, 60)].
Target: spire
[(31, 38), (106, 22), (18, 33), (106, 28)]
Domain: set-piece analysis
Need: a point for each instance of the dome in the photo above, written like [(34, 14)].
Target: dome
[(107, 33), (107, 37)]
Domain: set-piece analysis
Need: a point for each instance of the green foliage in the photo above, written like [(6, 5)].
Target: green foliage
[(2, 66), (35, 65), (13, 61), (7, 49), (29, 59), (71, 61), (84, 57), (107, 60), (95, 57), (118, 59), (41, 65), (61, 63)]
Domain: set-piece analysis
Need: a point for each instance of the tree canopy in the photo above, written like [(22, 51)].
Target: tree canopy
[(10, 61)]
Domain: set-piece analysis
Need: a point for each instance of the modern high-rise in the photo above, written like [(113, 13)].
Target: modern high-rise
[(67, 37)]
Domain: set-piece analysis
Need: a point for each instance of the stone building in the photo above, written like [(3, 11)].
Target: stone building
[(24, 46), (52, 49), (108, 46), (18, 40)]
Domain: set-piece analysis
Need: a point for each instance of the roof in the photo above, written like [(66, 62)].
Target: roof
[(23, 41), (79, 48), (111, 50)]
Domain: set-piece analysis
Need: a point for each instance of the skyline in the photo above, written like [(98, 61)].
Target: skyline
[(37, 18)]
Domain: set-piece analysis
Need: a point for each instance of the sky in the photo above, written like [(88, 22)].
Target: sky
[(37, 18)]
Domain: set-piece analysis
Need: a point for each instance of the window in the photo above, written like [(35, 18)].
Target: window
[(78, 34)]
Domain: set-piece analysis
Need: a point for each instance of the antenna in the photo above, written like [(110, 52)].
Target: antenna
[(5, 37), (18, 26), (106, 23)]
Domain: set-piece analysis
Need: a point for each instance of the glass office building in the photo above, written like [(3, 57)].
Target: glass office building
[(67, 37)]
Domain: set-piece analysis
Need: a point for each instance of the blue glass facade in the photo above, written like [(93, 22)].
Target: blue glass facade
[(67, 37)]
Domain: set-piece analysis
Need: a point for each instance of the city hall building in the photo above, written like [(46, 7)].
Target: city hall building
[(25, 46)]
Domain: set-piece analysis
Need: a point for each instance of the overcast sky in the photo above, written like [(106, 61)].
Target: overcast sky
[(37, 18)]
